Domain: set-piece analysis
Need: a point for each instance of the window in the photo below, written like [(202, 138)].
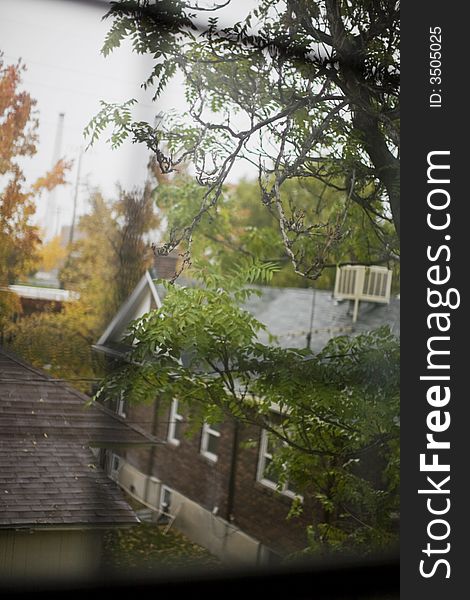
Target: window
[(121, 408), (174, 426), (210, 441), (167, 511), (114, 465), (165, 499), (268, 473)]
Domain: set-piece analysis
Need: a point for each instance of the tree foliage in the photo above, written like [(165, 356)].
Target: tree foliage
[(103, 267), (19, 238), (18, 139), (336, 418), (243, 228), (307, 92), (112, 253), (58, 342), (51, 255), (301, 89)]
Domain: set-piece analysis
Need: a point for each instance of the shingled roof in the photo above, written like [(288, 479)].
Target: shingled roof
[(291, 314), (296, 316), (48, 474)]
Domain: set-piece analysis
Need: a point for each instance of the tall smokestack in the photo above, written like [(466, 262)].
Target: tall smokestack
[(52, 210)]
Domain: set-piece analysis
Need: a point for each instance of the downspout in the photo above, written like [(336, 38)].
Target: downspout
[(153, 450), (233, 473)]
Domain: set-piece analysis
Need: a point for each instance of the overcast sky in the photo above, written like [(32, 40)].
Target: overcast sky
[(60, 42)]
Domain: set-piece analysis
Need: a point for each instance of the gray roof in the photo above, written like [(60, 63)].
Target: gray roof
[(54, 483), (48, 473), (34, 405), (288, 312)]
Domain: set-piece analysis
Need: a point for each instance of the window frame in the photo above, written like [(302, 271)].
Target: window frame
[(121, 406), (163, 507), (174, 417), (207, 431), (263, 454), (114, 465)]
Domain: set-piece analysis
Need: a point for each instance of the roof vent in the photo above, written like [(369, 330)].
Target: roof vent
[(358, 282)]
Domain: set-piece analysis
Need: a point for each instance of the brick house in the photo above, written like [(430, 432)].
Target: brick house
[(217, 488), (56, 501)]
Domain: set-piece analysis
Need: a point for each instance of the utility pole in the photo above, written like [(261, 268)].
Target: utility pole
[(75, 196), (52, 211), (312, 317)]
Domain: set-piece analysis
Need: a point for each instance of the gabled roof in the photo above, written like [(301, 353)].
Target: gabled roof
[(290, 314), (48, 473), (144, 298)]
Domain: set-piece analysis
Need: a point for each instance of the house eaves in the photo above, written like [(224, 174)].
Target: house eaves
[(144, 295), (49, 476)]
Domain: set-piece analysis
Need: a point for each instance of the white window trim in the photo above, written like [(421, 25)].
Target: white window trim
[(206, 432), (115, 466), (263, 454), (161, 505), (120, 408), (174, 416)]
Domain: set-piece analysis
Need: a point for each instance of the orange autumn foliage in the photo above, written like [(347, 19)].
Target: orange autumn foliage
[(52, 255), (19, 238)]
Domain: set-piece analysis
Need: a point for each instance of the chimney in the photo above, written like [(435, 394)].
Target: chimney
[(165, 267)]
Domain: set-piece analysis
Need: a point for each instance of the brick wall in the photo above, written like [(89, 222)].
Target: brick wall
[(183, 467), (141, 415), (261, 511), (257, 510)]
